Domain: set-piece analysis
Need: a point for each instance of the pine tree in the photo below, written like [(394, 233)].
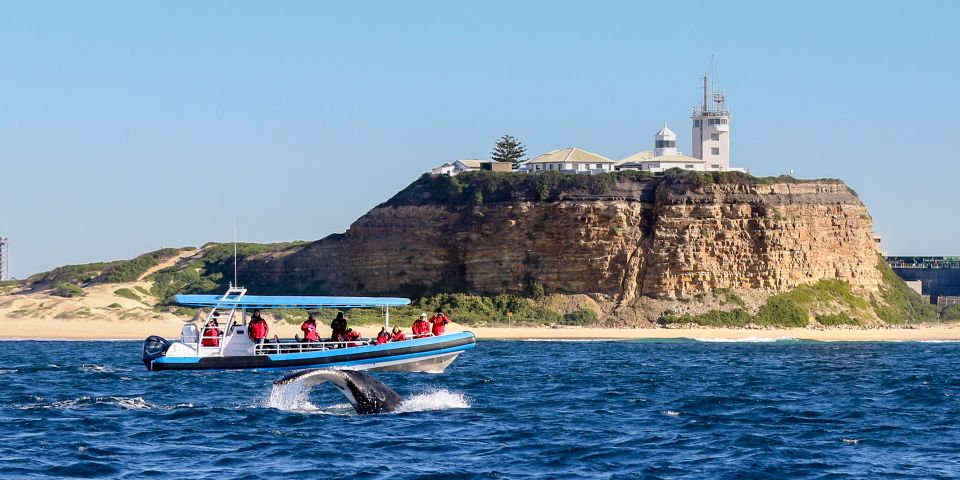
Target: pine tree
[(508, 149)]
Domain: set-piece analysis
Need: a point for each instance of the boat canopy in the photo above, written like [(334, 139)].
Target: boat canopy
[(274, 302)]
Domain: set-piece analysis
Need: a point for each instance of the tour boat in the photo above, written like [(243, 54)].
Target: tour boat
[(235, 349)]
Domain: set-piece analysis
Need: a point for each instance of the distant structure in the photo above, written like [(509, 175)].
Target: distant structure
[(711, 130), (461, 166), (939, 277), (570, 160), (665, 142), (4, 273), (711, 149)]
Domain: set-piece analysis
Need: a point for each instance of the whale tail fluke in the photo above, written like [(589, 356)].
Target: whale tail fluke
[(366, 394)]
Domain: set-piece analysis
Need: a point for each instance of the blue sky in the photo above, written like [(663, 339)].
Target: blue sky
[(130, 126)]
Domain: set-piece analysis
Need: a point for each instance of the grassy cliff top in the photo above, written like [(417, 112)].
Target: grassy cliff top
[(475, 188)]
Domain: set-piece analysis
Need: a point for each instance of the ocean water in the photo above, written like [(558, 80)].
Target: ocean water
[(638, 409)]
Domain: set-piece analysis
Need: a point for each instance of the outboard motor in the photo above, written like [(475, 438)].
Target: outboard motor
[(154, 347)]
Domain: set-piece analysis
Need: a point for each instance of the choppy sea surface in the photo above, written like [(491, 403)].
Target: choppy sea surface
[(633, 409)]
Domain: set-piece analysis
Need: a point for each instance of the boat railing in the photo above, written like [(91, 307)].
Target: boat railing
[(273, 347)]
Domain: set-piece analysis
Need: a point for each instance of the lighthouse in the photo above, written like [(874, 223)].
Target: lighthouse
[(665, 142), (711, 130)]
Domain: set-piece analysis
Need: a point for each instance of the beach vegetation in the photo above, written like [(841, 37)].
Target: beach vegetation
[(900, 304), (211, 271), (67, 290), (127, 293), (583, 316), (836, 319), (131, 270), (951, 313), (781, 311), (114, 305)]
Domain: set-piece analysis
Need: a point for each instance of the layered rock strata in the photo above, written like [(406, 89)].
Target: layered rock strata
[(664, 237)]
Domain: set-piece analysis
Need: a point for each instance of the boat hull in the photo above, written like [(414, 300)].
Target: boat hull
[(432, 354)]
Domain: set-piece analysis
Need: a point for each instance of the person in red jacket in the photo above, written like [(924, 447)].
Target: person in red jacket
[(420, 327), (258, 328), (398, 335), (383, 336), (309, 328), (351, 336), (439, 321), (211, 332)]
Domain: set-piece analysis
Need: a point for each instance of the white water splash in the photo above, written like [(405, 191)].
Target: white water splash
[(671, 413), (294, 397), (435, 400), (747, 340), (290, 397), (8, 370), (852, 441), (87, 367), (128, 403)]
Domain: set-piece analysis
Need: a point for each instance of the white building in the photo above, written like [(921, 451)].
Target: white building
[(4, 272), (711, 131), (461, 166), (664, 156), (570, 160)]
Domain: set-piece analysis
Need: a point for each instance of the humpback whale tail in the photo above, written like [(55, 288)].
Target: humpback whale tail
[(366, 394)]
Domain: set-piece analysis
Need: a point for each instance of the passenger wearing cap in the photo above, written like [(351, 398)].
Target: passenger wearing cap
[(439, 321), (420, 327), (211, 332), (398, 335)]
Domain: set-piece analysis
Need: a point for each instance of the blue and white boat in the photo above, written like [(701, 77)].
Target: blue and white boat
[(235, 350)]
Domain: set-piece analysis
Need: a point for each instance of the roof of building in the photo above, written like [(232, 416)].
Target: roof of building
[(637, 157), (470, 163), (570, 155), (666, 132)]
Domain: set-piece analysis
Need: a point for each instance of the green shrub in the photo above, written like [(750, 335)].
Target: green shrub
[(715, 318), (832, 320), (127, 293), (67, 290), (951, 313), (131, 270), (142, 290), (900, 303), (114, 305), (783, 312), (583, 316)]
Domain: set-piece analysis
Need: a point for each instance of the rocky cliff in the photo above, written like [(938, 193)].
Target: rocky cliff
[(620, 236)]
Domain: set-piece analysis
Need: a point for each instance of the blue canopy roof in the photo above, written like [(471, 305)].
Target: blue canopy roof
[(267, 302)]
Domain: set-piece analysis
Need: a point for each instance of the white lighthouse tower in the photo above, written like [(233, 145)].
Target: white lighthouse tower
[(665, 142), (711, 131)]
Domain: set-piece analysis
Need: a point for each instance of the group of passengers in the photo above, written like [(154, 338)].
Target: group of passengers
[(258, 330)]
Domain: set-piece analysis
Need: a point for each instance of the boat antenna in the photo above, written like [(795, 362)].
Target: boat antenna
[(235, 283)]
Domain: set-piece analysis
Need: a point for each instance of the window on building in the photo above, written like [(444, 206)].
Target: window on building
[(666, 143), (723, 121), (696, 123), (714, 151), (714, 136), (601, 166), (688, 166)]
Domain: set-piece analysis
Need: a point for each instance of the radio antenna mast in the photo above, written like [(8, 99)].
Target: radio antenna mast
[(235, 283)]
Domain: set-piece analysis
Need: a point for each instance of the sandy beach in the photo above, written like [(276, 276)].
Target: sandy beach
[(82, 329)]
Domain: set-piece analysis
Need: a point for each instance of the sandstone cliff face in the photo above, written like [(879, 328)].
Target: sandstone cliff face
[(655, 237)]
